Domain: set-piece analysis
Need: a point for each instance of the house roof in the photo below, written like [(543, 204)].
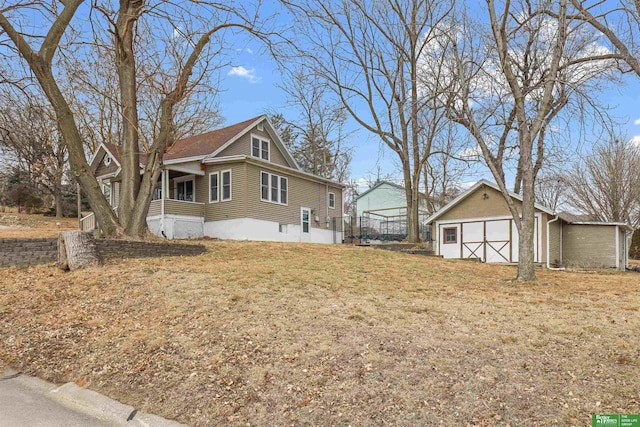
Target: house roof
[(379, 184), (210, 144), (206, 143), (114, 150), (477, 185)]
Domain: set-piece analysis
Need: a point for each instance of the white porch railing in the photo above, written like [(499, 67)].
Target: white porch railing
[(88, 223)]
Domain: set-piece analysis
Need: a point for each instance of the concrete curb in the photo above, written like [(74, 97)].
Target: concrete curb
[(90, 402)]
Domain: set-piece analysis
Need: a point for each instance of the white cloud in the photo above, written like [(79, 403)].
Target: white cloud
[(249, 74), (635, 141), (466, 185), (249, 50), (636, 122), (474, 153)]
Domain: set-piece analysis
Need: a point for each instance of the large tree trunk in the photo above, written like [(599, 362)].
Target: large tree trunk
[(58, 201), (413, 233), (526, 265), (126, 68), (77, 250)]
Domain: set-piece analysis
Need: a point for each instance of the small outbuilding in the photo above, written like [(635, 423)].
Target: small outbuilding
[(478, 224)]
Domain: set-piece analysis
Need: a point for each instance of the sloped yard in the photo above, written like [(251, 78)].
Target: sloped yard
[(286, 334), (19, 225)]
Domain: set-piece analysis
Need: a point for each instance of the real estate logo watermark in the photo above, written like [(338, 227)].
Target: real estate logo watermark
[(615, 420)]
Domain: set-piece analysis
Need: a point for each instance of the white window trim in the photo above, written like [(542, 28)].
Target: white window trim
[(269, 174), (329, 200), (261, 139), (302, 209), (183, 179), (221, 186), (218, 174), (105, 183)]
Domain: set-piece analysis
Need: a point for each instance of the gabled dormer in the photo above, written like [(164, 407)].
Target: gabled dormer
[(259, 140)]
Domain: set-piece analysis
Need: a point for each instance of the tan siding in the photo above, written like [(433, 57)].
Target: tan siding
[(202, 190), (243, 147), (231, 209), (155, 208), (103, 169), (178, 207), (302, 193), (591, 246), (554, 243), (115, 186), (475, 206)]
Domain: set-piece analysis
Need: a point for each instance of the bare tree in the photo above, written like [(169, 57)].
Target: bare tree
[(605, 184), (190, 31), (551, 190), (317, 136), (373, 55), (445, 168), (29, 134), (619, 22), (510, 90)]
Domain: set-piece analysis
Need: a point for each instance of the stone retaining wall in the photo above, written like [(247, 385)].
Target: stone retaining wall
[(22, 252), (28, 251)]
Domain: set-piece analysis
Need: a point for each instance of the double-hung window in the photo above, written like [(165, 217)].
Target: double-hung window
[(226, 186), (332, 200), (260, 147), (274, 188), (106, 190), (185, 190), (220, 186)]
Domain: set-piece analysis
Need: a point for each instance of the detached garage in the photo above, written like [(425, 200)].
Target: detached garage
[(478, 224)]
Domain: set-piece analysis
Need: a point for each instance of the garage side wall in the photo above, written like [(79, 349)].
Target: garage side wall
[(589, 246)]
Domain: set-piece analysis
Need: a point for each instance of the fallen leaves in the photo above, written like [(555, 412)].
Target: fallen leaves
[(281, 334)]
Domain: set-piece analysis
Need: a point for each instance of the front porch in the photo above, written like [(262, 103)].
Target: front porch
[(175, 211)]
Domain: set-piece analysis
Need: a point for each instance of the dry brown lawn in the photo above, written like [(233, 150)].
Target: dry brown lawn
[(293, 334), (32, 226)]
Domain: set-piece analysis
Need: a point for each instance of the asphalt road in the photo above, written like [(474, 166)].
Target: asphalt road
[(21, 406)]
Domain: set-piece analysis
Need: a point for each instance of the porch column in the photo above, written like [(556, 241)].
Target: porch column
[(165, 187), (164, 179)]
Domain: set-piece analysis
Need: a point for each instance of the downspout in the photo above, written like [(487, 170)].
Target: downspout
[(617, 247), (548, 262), (326, 202)]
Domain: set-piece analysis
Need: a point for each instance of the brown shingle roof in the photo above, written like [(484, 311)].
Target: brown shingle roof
[(115, 152), (207, 143), (193, 146)]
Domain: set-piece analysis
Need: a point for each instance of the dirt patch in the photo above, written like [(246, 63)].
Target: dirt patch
[(292, 334)]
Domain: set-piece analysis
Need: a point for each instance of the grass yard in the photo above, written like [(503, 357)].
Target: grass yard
[(19, 225), (293, 334)]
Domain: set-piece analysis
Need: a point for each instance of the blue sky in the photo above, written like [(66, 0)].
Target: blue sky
[(249, 94), (251, 88)]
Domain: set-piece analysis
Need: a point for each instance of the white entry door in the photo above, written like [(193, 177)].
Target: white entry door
[(305, 224)]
